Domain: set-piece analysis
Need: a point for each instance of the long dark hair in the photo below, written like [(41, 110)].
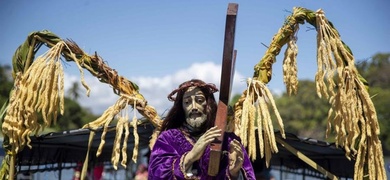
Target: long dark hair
[(176, 117)]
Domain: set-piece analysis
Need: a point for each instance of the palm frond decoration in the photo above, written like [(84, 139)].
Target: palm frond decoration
[(39, 88), (352, 115)]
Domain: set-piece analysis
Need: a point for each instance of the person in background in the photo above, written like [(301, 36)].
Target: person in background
[(182, 150), (141, 173)]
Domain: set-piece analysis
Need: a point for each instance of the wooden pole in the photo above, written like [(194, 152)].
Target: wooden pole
[(227, 73)]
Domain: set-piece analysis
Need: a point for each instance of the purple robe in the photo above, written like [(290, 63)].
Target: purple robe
[(168, 152)]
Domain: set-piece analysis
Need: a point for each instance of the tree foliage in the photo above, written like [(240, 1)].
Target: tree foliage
[(376, 71), (381, 100), (304, 114), (6, 83), (74, 117)]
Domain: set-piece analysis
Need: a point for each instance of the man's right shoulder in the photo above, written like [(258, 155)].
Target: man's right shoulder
[(170, 133), (176, 139)]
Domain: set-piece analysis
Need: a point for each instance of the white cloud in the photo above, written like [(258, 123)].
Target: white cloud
[(101, 96), (154, 89)]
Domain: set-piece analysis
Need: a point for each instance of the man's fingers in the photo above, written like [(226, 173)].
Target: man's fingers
[(213, 137), (213, 130), (210, 135), (235, 146), (209, 138)]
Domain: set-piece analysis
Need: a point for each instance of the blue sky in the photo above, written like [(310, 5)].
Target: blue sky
[(159, 44)]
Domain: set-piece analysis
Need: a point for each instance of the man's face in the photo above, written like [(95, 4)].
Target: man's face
[(194, 105)]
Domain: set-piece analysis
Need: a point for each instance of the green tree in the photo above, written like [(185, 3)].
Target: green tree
[(376, 71), (6, 83), (74, 91), (304, 114), (74, 117), (234, 99), (381, 100)]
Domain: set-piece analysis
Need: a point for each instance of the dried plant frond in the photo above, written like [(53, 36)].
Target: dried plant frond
[(121, 86), (79, 62), (105, 120), (47, 79), (126, 125), (352, 114), (290, 76), (136, 139), (262, 75), (37, 90), (256, 108), (117, 141)]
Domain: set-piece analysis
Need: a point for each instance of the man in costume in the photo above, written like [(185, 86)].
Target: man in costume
[(182, 149)]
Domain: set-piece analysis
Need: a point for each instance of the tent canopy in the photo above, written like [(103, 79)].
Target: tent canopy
[(324, 154), (70, 147), (55, 149)]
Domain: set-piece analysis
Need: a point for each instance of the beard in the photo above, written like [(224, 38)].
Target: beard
[(196, 122)]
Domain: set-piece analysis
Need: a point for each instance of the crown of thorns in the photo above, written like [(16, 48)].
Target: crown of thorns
[(210, 87)]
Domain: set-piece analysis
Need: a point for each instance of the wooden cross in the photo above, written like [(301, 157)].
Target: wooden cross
[(227, 73)]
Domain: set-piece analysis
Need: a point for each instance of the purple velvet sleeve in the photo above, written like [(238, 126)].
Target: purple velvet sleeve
[(165, 157), (247, 168)]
